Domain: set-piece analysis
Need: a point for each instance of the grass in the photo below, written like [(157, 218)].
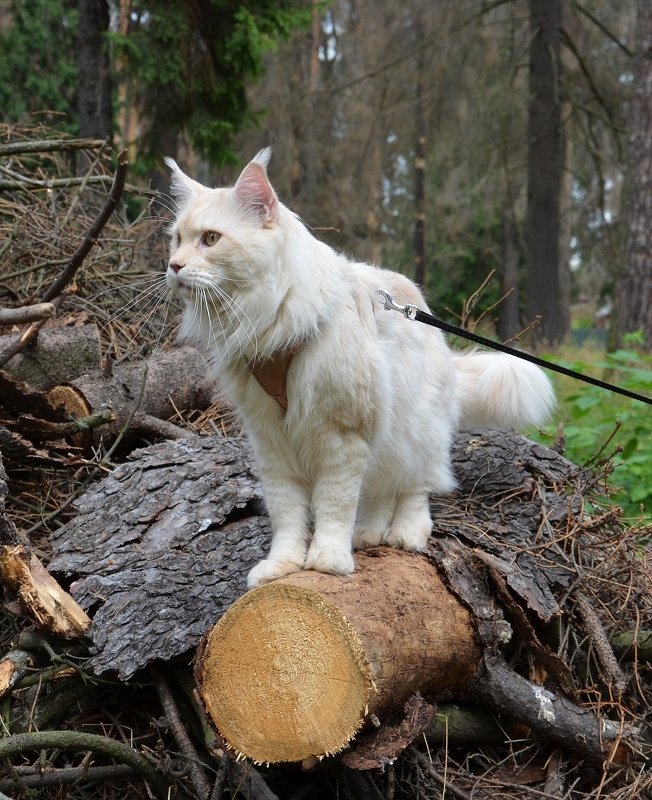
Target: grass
[(597, 424)]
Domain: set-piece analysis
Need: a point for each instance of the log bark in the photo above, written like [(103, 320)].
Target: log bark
[(190, 513), (295, 667), (159, 386), (58, 355)]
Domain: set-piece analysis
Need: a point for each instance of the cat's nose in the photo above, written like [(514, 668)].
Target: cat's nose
[(175, 267)]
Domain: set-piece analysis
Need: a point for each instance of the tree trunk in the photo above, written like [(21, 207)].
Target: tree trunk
[(94, 98), (295, 667), (58, 355), (634, 290), (508, 322), (419, 164), (167, 381), (545, 293)]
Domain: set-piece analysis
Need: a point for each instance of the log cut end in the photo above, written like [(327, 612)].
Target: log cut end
[(284, 676)]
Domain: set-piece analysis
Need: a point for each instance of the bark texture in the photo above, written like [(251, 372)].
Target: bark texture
[(161, 547), (57, 355)]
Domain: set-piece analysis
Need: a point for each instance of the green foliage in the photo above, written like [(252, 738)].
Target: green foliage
[(597, 423), (192, 72), (188, 65), (37, 63), (464, 252)]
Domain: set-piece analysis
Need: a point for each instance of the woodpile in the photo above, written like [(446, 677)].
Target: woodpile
[(510, 660)]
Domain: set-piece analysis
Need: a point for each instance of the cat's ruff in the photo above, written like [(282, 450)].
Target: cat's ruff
[(372, 402)]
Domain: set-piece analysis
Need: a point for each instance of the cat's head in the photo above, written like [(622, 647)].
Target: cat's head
[(225, 238)]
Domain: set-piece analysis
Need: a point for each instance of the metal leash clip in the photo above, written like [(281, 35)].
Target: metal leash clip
[(387, 301)]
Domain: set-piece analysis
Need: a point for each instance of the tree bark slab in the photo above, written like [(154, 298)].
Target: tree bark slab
[(161, 548)]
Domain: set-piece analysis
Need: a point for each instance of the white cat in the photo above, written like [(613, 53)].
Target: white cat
[(372, 399)]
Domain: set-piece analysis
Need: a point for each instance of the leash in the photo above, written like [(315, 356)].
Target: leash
[(412, 312)]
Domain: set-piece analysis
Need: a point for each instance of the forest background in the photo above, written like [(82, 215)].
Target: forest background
[(451, 141)]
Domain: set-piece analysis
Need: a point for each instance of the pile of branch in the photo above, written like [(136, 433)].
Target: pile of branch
[(511, 660)]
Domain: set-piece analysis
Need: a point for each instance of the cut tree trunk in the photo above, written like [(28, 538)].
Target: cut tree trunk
[(57, 355), (159, 386), (295, 667)]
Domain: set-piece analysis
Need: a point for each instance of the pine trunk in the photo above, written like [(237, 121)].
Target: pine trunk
[(545, 294), (296, 667), (634, 293)]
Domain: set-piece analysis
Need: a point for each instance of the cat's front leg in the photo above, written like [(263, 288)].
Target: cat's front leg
[(335, 498), (288, 508)]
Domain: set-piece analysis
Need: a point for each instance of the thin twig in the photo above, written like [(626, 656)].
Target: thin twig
[(90, 239), (19, 316), (195, 771)]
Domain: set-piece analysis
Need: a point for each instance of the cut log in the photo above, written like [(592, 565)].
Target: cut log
[(58, 355), (166, 382), (295, 667)]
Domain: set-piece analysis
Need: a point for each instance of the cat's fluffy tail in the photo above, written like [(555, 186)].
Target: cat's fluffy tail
[(500, 390)]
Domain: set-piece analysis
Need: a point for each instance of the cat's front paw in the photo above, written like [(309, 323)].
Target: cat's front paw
[(330, 559), (269, 569)]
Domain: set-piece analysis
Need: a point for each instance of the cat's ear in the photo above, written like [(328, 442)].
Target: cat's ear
[(254, 191), (182, 187)]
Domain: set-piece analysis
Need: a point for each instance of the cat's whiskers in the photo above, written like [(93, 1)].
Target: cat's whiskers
[(146, 297), (241, 317)]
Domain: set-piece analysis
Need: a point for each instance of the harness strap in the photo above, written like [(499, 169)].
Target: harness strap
[(271, 373), (412, 312)]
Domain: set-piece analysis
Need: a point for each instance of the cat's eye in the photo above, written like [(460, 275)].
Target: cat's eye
[(210, 238)]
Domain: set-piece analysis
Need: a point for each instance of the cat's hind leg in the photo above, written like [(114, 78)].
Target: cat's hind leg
[(374, 521), (412, 523)]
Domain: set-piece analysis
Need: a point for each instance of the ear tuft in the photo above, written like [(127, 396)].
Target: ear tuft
[(254, 191), (263, 156), (182, 187)]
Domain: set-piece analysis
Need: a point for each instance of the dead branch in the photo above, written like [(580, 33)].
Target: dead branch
[(49, 146), (186, 747), (77, 740), (40, 778), (19, 316), (91, 237), (549, 715), (613, 674)]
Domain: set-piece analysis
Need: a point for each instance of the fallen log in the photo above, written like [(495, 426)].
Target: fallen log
[(295, 667), (57, 355), (157, 387), (159, 551)]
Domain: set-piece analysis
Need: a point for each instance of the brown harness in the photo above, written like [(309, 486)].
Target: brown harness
[(272, 373)]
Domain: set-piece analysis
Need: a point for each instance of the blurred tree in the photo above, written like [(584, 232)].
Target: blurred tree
[(545, 285), (37, 62), (634, 292), (185, 66), (95, 109), (184, 69)]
